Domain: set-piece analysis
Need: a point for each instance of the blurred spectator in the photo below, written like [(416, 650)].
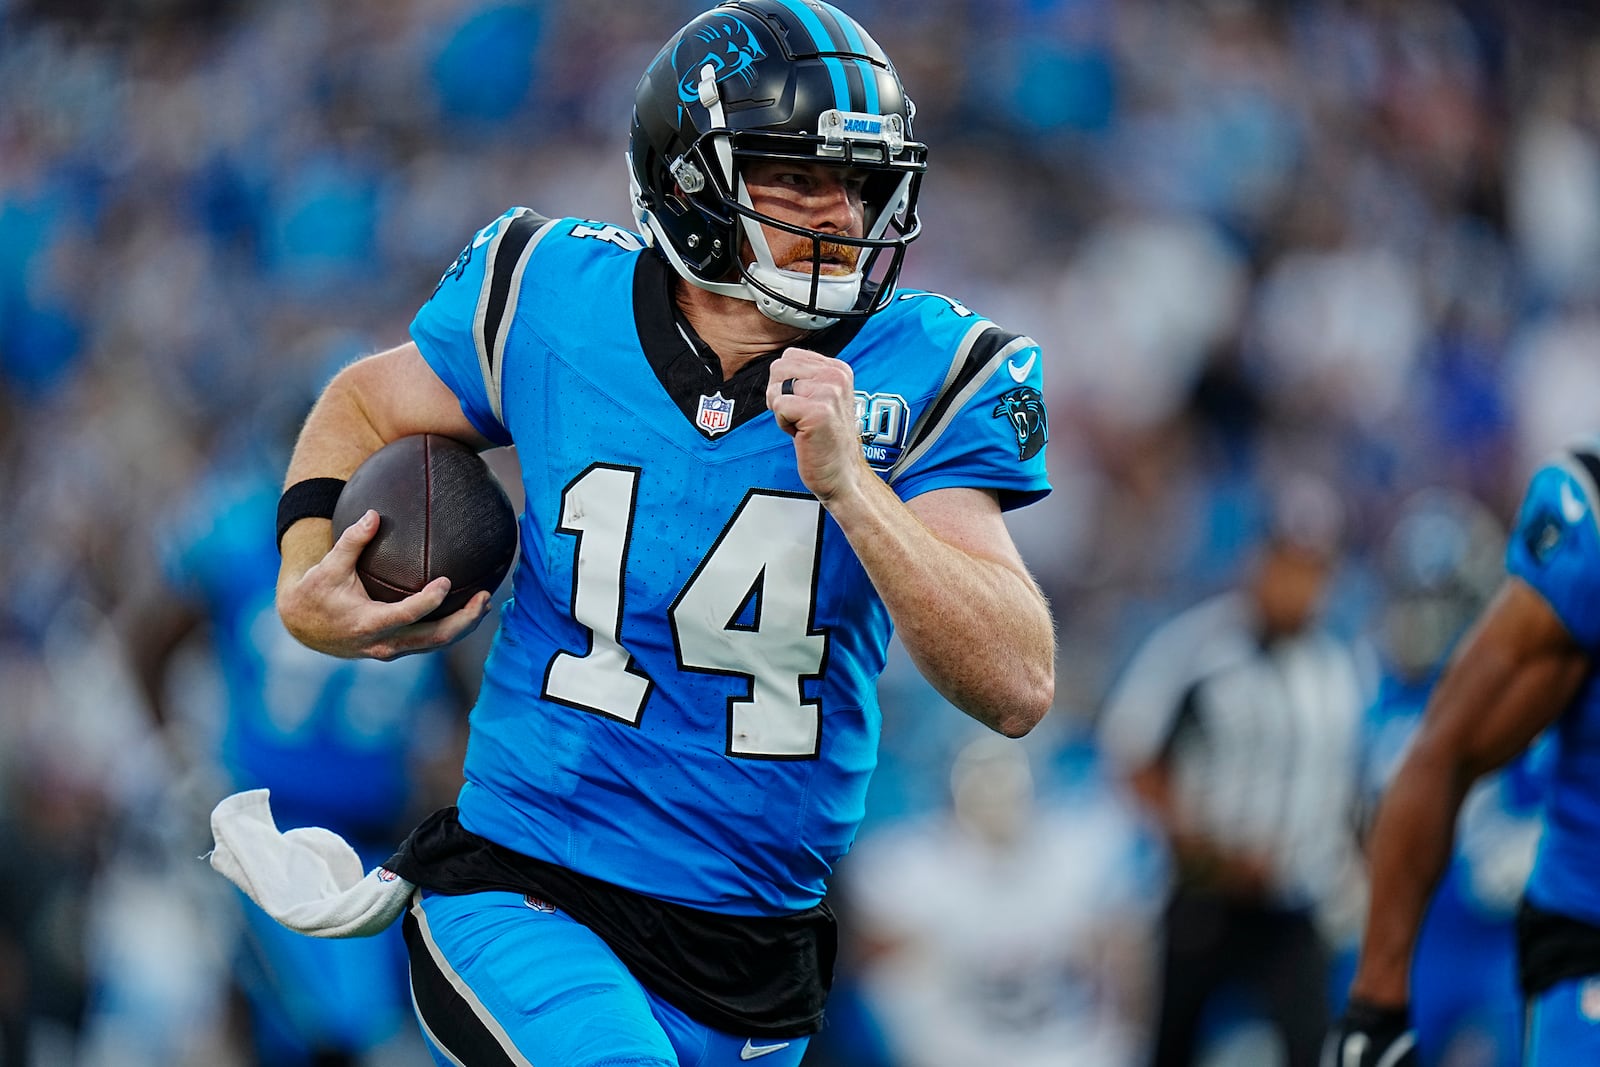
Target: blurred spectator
[(73, 747), (1142, 305), (51, 857), (1237, 725), (1554, 372)]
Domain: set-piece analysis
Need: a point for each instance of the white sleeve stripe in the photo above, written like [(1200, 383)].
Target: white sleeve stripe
[(963, 350), (930, 435), (957, 362), (486, 368), (497, 301), (498, 362)]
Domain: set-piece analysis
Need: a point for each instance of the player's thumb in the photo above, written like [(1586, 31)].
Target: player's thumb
[(350, 544)]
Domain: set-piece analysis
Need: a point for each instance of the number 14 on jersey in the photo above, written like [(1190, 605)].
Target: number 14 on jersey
[(747, 611)]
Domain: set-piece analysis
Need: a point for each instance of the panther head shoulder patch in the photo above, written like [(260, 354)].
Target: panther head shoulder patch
[(1025, 408)]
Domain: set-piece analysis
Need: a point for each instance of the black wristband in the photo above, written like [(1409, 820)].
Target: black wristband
[(313, 498)]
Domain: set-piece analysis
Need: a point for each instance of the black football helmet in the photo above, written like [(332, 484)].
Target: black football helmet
[(773, 79)]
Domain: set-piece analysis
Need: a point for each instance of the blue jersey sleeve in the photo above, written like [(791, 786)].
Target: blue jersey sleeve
[(1556, 545), (463, 328), (988, 428)]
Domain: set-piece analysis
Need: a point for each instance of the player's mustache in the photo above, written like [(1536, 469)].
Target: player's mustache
[(827, 252)]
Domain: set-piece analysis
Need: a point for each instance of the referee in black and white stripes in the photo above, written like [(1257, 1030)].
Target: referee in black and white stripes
[(1237, 724)]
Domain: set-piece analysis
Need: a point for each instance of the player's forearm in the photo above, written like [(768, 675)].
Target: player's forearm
[(978, 630), (985, 642), (336, 436), (1409, 849)]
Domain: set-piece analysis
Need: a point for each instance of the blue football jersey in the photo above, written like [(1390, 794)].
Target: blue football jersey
[(681, 696), (1555, 548), (331, 738)]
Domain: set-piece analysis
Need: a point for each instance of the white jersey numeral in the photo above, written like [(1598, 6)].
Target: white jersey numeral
[(598, 508), (747, 611)]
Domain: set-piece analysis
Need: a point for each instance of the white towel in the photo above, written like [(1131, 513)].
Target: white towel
[(308, 879)]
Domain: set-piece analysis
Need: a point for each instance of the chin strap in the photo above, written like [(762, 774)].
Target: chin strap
[(836, 293)]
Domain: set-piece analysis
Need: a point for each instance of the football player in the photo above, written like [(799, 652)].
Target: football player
[(747, 452), (340, 744), (1440, 564), (1524, 668)]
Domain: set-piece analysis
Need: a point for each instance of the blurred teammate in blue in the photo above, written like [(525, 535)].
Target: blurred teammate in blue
[(747, 454), (1524, 668), (1440, 565), (345, 744)]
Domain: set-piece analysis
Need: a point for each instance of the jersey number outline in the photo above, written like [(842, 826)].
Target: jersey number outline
[(748, 611), (608, 233)]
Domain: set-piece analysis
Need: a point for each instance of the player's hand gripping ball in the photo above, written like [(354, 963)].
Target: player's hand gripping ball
[(441, 511)]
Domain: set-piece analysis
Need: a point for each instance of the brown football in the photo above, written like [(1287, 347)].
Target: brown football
[(441, 512)]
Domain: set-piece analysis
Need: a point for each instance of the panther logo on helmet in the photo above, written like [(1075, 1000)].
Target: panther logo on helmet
[(729, 47)]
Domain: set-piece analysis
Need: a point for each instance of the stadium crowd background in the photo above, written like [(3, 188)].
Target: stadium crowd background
[(1360, 238)]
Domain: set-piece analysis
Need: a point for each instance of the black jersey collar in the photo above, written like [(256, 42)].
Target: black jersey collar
[(687, 367)]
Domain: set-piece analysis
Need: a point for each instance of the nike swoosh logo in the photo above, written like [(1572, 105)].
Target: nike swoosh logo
[(752, 1050), (1571, 506), (1020, 374)]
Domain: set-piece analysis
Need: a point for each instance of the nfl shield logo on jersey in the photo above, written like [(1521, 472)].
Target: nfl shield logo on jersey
[(715, 415)]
